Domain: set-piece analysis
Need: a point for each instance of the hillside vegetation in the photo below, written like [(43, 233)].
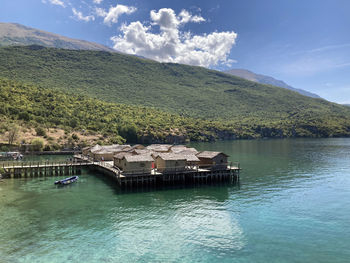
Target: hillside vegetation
[(204, 101), (32, 107)]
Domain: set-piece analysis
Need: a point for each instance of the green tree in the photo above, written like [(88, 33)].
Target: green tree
[(24, 116), (37, 144), (129, 132), (12, 133), (40, 131)]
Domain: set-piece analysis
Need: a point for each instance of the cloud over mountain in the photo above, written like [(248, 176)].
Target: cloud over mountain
[(173, 45), (112, 15)]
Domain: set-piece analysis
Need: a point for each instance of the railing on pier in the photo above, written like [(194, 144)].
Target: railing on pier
[(31, 168), (23, 164)]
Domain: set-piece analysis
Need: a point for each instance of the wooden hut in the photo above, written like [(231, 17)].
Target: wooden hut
[(214, 160), (93, 149), (107, 152), (191, 159), (169, 162), (117, 159), (102, 155), (136, 164)]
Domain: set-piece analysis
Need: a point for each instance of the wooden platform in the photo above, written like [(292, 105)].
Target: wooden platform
[(189, 175), (181, 177), (34, 169)]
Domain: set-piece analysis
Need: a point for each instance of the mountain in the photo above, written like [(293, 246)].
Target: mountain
[(244, 108), (246, 74), (15, 34)]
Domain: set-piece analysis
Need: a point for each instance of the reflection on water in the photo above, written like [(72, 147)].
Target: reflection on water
[(292, 205)]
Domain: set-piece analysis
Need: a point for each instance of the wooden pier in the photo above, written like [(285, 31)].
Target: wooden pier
[(37, 169), (190, 175)]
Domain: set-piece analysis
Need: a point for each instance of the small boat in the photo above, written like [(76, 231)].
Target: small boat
[(68, 180)]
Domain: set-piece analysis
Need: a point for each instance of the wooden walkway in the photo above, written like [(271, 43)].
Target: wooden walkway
[(32, 169)]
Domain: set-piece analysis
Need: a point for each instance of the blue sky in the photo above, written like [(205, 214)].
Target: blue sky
[(304, 43)]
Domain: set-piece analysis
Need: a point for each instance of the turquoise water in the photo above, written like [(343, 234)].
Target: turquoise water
[(292, 205)]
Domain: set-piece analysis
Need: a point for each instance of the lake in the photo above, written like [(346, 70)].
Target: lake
[(292, 205)]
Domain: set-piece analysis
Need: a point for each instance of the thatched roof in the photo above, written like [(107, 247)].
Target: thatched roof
[(121, 155), (103, 151), (171, 157), (191, 158), (97, 149), (159, 147), (138, 146), (138, 158), (178, 146), (209, 154), (188, 151), (182, 148), (142, 151)]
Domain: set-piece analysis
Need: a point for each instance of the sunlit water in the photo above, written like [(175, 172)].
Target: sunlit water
[(292, 205)]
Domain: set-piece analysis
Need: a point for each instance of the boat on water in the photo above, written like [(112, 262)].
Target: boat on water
[(68, 180), (17, 156)]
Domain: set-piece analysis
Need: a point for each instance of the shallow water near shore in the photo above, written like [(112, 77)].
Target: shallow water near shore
[(292, 205)]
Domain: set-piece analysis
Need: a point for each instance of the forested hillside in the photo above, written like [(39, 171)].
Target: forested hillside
[(32, 107), (201, 103)]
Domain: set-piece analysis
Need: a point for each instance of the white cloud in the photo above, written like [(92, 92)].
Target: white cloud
[(100, 12), (186, 17), (54, 2), (171, 45), (114, 12), (79, 15), (97, 1), (197, 19)]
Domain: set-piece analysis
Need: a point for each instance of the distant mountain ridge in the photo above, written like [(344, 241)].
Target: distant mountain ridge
[(249, 75), (12, 34)]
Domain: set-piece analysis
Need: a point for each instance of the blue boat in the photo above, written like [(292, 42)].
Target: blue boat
[(68, 180)]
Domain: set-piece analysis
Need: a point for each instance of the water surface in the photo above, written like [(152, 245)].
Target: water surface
[(291, 205)]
